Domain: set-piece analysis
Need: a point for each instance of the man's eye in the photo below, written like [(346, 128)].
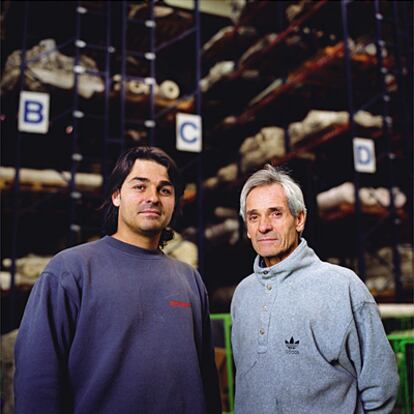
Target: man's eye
[(139, 187), (166, 191), (276, 213), (252, 218)]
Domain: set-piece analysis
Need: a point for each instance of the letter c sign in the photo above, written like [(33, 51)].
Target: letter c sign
[(188, 131)]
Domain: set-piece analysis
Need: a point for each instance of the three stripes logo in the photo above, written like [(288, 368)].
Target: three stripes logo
[(291, 346)]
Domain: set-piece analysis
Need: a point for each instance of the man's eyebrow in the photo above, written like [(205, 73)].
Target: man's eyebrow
[(139, 179), (165, 182), (254, 211), (147, 180), (277, 208)]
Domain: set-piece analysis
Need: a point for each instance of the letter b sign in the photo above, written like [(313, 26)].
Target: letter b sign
[(34, 112)]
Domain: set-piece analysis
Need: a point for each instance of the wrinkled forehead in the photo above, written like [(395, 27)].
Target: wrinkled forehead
[(264, 197), (267, 194)]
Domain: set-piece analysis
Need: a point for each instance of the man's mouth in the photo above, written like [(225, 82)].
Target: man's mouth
[(150, 212), (267, 239)]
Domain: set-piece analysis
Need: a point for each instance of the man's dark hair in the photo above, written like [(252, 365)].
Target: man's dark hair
[(121, 170)]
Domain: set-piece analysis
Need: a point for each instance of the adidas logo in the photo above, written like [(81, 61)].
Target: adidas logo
[(291, 346)]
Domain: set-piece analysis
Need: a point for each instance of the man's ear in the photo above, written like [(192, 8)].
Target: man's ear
[(300, 221), (116, 198)]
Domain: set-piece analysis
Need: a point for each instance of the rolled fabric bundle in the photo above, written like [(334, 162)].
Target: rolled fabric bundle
[(32, 176), (406, 255), (51, 177), (182, 249), (367, 120), (271, 142), (228, 40), (265, 145), (319, 120), (227, 173), (335, 196), (85, 179), (225, 31), (226, 212), (261, 44), (219, 70), (51, 68), (228, 231), (250, 160), (314, 122), (138, 88), (211, 183), (190, 191), (30, 266), (379, 283), (248, 145), (273, 131), (367, 196), (399, 197), (272, 147), (169, 90), (383, 196), (296, 132)]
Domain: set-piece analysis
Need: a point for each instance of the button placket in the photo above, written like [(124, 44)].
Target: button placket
[(265, 316)]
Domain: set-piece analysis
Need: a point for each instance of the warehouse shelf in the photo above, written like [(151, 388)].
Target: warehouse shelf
[(74, 149), (344, 210), (294, 25), (237, 106), (314, 71)]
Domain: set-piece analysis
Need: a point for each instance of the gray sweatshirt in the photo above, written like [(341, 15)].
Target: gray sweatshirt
[(307, 338)]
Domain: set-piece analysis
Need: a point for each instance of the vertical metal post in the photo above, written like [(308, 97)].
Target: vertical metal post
[(200, 160), (124, 28), (387, 122), (401, 32), (151, 126), (16, 183), (348, 73), (74, 228), (106, 134)]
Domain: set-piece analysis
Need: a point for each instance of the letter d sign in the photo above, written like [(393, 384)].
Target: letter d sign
[(34, 112), (364, 155)]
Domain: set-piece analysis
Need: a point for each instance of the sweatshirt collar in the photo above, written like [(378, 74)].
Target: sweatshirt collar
[(131, 249), (301, 257)]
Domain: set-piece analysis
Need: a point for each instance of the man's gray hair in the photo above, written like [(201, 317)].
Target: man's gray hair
[(271, 175)]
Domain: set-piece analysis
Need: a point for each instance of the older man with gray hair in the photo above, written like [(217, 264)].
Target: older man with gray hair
[(307, 336)]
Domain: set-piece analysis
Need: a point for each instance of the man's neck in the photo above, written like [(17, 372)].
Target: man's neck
[(148, 243)]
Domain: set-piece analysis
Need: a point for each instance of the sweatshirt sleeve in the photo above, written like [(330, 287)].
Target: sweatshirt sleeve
[(367, 349), (42, 347), (210, 376), (234, 343)]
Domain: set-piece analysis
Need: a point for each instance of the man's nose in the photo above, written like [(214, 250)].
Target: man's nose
[(265, 225), (152, 195)]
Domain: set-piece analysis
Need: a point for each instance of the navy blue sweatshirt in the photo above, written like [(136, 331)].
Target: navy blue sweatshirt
[(112, 328)]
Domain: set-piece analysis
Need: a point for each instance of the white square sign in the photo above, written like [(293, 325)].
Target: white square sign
[(189, 133), (34, 112), (364, 155)]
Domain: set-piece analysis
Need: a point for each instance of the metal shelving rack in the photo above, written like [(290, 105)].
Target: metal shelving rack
[(383, 96), (403, 71), (76, 115)]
